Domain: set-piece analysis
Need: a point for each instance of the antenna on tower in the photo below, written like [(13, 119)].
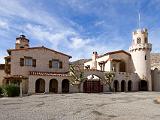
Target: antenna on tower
[(139, 19)]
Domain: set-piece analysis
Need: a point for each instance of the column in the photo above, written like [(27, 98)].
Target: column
[(46, 86), (21, 89), (119, 89), (59, 86), (126, 86)]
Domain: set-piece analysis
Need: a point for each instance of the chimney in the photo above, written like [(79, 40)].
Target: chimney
[(22, 42), (94, 61), (94, 56)]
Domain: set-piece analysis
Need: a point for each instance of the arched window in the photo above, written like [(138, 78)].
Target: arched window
[(138, 40)]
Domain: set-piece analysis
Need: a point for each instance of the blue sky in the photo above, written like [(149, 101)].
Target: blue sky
[(78, 27)]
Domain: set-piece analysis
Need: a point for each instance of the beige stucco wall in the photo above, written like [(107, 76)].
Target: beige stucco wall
[(2, 75), (33, 78), (124, 57), (42, 57), (108, 66)]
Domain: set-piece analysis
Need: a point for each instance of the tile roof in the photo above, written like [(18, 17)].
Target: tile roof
[(42, 47), (114, 52), (109, 53)]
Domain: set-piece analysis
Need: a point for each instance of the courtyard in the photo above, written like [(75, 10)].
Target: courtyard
[(82, 106)]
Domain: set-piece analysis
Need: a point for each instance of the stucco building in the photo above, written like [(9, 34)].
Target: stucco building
[(43, 70), (132, 69)]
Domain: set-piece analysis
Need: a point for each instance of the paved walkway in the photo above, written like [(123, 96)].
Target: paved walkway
[(80, 106)]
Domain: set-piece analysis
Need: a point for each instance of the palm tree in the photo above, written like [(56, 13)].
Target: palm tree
[(109, 76), (77, 76)]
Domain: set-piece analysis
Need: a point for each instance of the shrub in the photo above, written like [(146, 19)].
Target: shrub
[(11, 90)]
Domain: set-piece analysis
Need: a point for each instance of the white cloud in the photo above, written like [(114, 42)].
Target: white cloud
[(4, 25), (48, 27), (79, 42)]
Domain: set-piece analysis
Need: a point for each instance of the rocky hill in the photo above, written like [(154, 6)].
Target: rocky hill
[(155, 60), (79, 63)]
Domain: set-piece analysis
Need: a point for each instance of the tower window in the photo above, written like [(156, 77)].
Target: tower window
[(146, 40), (145, 57), (138, 40)]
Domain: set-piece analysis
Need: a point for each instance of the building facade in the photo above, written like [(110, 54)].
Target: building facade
[(43, 70), (40, 69)]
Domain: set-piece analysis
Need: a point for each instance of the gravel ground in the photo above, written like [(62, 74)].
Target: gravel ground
[(81, 106)]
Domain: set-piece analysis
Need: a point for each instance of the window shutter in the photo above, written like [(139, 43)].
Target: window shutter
[(60, 64), (21, 61), (50, 64), (34, 62)]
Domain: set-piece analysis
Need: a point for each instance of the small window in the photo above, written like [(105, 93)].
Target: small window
[(87, 67), (28, 61), (145, 57), (138, 40), (55, 64)]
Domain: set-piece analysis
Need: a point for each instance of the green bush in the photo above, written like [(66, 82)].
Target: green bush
[(11, 90)]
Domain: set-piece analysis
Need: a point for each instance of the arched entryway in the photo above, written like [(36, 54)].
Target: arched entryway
[(116, 85), (123, 86), (122, 66), (40, 86), (92, 84), (53, 86), (129, 85), (65, 86), (143, 85)]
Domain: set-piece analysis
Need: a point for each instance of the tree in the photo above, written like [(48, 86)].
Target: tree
[(77, 76), (109, 76)]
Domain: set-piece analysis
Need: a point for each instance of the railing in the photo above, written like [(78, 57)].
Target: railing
[(141, 46)]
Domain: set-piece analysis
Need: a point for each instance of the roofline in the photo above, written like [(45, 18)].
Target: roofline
[(113, 52), (9, 50)]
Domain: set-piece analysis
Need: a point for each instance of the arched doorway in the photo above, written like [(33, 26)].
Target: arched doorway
[(65, 86), (53, 86), (122, 66), (92, 84), (40, 86), (123, 86), (129, 85), (143, 85), (116, 85)]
